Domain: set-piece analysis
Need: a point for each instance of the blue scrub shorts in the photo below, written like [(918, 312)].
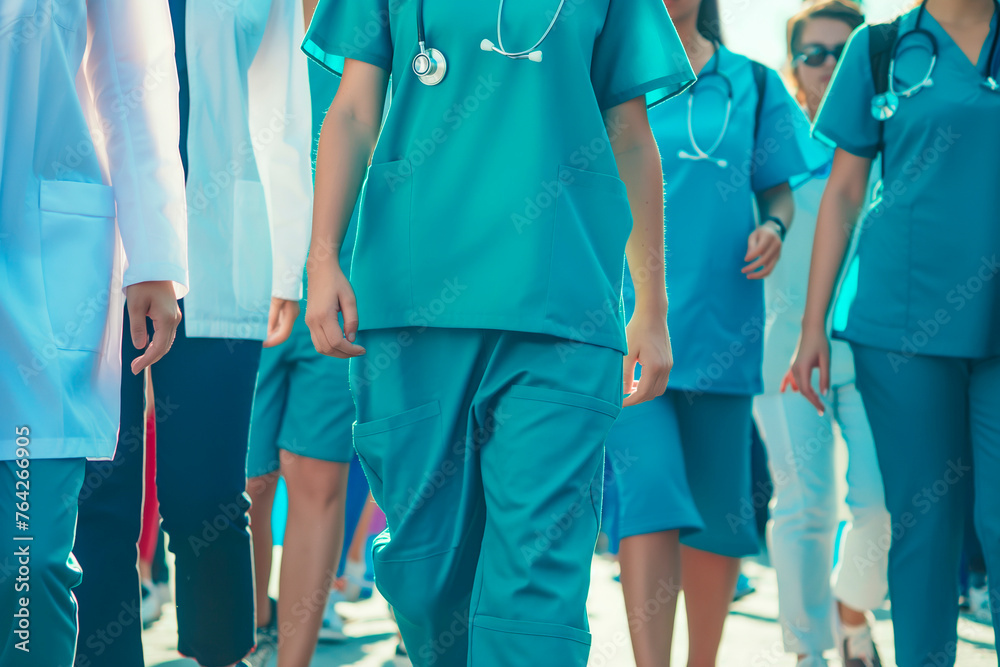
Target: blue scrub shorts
[(303, 405), (683, 463)]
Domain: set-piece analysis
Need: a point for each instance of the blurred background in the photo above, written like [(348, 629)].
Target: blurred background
[(756, 27)]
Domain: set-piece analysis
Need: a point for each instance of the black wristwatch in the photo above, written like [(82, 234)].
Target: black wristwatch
[(782, 229)]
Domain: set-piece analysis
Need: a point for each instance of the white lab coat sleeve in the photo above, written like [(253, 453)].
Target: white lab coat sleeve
[(132, 78), (280, 127)]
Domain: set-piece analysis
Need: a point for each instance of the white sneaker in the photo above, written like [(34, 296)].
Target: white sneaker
[(979, 604), (332, 629), (354, 574), (857, 648)]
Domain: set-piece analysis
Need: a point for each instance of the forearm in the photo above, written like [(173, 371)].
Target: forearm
[(777, 203), (640, 169), (837, 217), (345, 147)]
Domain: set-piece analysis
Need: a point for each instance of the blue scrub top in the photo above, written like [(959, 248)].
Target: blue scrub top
[(493, 200), (716, 315), (929, 247)]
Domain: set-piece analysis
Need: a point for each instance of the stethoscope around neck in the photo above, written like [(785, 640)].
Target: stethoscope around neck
[(431, 66), (708, 155), (885, 105)]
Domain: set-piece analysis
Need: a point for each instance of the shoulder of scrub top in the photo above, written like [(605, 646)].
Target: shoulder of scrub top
[(844, 119), (355, 29)]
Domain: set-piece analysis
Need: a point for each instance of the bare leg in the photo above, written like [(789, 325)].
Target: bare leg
[(709, 584), (650, 566), (313, 539), (261, 491), (850, 616)]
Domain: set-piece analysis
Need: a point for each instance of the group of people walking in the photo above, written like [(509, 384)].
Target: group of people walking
[(493, 239)]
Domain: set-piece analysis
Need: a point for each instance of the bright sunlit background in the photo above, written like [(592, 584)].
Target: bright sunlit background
[(756, 28)]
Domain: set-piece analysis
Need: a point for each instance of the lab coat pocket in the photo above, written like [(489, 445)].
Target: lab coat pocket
[(12, 10), (251, 248), (592, 223), (77, 247), (413, 478), (69, 14)]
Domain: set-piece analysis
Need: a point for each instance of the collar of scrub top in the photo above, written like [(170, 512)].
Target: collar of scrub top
[(431, 66), (700, 154), (886, 105)]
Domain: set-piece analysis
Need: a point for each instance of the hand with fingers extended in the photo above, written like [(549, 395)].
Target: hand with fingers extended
[(648, 346), (157, 301), (813, 352), (330, 294), (763, 252)]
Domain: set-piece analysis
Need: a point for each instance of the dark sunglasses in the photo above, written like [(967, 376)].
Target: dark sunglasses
[(814, 55)]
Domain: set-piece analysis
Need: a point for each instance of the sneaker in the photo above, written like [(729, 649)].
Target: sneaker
[(979, 604), (857, 648), (151, 605), (267, 640), (402, 658), (332, 629), (357, 586)]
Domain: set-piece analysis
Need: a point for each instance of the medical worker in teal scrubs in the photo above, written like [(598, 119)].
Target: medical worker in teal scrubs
[(726, 150), (300, 430), (484, 305), (925, 323)]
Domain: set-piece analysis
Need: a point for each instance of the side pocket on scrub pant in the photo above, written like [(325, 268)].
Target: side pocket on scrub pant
[(399, 454), (251, 248), (77, 244), (603, 415), (592, 224)]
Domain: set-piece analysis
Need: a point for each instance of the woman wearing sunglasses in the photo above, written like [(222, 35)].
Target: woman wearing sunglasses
[(800, 442), (924, 325)]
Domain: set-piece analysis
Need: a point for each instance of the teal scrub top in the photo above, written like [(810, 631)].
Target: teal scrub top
[(493, 200), (716, 315), (928, 248)]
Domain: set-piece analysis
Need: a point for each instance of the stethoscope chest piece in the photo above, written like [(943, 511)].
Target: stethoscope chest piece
[(885, 105), (430, 66)]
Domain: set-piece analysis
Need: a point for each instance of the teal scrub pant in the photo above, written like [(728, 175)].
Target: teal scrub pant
[(485, 450), (931, 418), (46, 575)]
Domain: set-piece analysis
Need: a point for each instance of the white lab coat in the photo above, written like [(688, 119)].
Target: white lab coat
[(88, 136), (249, 173)]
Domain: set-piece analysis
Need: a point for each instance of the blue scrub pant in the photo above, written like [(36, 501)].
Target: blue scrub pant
[(51, 569), (485, 450), (204, 392), (931, 418)]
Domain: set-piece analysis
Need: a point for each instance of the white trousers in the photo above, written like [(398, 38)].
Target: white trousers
[(801, 534)]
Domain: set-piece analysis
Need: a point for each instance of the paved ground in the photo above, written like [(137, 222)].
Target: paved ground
[(752, 636)]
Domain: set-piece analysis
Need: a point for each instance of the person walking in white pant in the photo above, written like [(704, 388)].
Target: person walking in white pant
[(801, 443)]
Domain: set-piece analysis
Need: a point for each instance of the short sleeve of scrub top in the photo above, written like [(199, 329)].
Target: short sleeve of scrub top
[(782, 135), (638, 53), (844, 121), (355, 29)]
